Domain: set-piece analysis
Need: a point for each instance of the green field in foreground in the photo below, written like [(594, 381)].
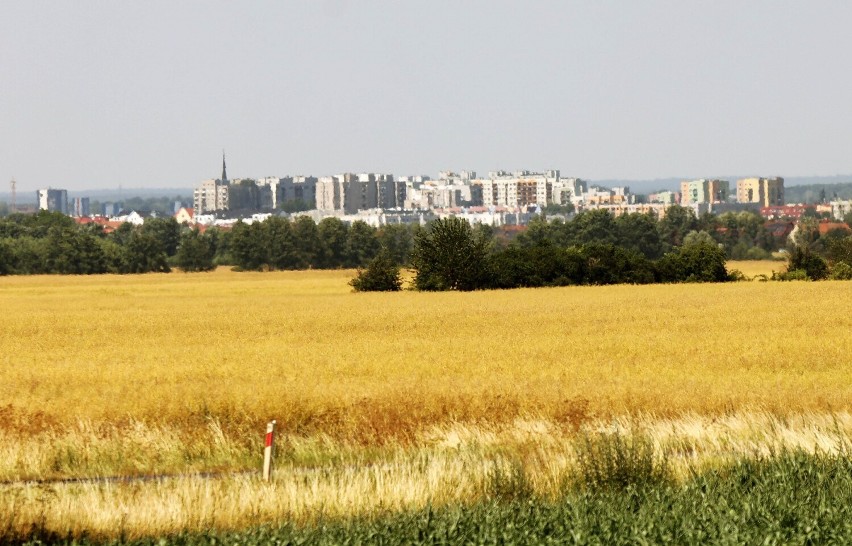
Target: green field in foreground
[(791, 498)]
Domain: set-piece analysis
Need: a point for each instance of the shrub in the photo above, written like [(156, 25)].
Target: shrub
[(381, 275), (841, 271), (449, 256), (794, 275), (801, 258), (735, 275), (615, 461), (700, 262)]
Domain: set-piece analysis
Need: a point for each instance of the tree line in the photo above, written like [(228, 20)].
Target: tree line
[(628, 248)]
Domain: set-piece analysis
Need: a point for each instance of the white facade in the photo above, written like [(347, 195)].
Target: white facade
[(53, 200), (210, 196)]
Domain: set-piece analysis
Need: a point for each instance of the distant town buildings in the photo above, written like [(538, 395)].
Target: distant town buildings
[(80, 207), (500, 198), (767, 192), (52, 200), (704, 191)]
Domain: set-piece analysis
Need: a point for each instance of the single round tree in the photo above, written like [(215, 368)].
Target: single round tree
[(381, 275), (450, 256)]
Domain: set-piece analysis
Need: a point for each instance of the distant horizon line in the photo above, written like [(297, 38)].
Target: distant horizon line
[(797, 179)]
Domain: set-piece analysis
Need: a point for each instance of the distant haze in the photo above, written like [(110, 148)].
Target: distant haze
[(97, 94)]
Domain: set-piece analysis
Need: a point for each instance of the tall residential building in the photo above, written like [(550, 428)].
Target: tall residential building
[(519, 188), (288, 189), (704, 191), (768, 192), (353, 192), (80, 207), (53, 200), (212, 195)]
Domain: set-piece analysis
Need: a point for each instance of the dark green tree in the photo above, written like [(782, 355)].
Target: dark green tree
[(398, 240), (801, 258), (195, 252), (5, 257), (145, 254), (593, 226), (697, 262), (280, 243), (362, 245), (674, 226), (638, 232), (382, 275), (249, 247), (166, 231), (448, 256), (332, 234), (307, 240)]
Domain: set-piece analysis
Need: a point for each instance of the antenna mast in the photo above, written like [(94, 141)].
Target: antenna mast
[(13, 185)]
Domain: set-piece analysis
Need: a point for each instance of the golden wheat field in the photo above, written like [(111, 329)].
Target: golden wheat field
[(386, 400)]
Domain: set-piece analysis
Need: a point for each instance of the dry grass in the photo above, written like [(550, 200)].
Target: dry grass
[(387, 400), (450, 463), (301, 348)]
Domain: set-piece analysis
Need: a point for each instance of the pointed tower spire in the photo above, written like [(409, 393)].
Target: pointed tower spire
[(224, 171)]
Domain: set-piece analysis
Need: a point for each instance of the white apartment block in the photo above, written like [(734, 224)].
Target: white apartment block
[(518, 189), (291, 188), (350, 192), (210, 196), (840, 208), (53, 200)]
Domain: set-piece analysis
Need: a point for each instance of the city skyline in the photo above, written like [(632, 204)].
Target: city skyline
[(146, 96)]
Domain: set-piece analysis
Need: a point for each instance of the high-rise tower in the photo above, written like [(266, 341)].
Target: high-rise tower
[(224, 171), (13, 185)]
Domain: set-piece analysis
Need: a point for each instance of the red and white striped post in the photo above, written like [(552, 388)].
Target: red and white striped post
[(267, 451)]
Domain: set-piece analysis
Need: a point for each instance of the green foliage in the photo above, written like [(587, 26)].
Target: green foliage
[(840, 250), (145, 254), (792, 275), (841, 271), (166, 231), (249, 246), (700, 262), (382, 275), (508, 482), (195, 252), (639, 233), (449, 256), (675, 225), (553, 208), (788, 498), (362, 245), (615, 461), (296, 205), (6, 258), (332, 233), (801, 258), (398, 240), (735, 275)]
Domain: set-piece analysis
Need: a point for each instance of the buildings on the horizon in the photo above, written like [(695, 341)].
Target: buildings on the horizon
[(500, 197), (767, 192), (52, 200)]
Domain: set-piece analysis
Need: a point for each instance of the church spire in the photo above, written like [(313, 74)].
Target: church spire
[(224, 171)]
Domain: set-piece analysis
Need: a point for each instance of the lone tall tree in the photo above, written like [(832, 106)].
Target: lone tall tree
[(449, 256)]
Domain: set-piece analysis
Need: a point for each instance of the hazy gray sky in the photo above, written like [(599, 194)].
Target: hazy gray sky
[(148, 93)]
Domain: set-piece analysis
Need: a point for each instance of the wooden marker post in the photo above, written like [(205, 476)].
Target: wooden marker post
[(267, 451)]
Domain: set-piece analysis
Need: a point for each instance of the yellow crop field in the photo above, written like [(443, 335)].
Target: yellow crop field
[(176, 373)]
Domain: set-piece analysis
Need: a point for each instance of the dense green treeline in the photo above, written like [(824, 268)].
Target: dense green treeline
[(788, 498), (592, 248)]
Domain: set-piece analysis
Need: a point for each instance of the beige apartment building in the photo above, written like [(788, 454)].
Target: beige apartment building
[(699, 191), (768, 192)]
